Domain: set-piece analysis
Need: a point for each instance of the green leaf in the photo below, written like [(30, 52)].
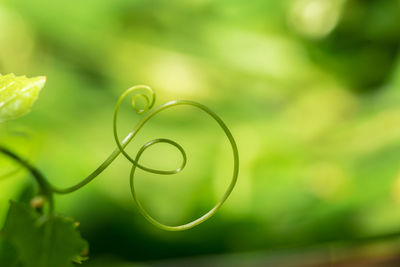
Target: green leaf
[(8, 254), (34, 240), (17, 95)]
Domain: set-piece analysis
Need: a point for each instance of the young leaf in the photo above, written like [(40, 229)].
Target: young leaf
[(17, 95), (36, 240)]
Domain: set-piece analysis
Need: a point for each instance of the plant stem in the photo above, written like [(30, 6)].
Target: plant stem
[(44, 186)]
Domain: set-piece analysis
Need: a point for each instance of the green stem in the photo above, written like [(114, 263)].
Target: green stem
[(44, 186), (149, 97)]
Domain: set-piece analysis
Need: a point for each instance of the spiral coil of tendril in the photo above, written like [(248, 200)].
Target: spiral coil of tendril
[(135, 162), (146, 93)]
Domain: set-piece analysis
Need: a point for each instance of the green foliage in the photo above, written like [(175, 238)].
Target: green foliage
[(17, 95), (35, 240), (320, 161)]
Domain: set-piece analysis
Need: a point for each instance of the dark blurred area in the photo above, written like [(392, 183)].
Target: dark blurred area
[(309, 89), (362, 48)]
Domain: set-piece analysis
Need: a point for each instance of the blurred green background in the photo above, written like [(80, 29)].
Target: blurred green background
[(309, 89)]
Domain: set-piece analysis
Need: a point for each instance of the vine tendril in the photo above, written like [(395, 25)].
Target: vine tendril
[(148, 95)]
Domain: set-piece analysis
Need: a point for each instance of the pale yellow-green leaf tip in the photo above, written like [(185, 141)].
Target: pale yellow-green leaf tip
[(18, 94)]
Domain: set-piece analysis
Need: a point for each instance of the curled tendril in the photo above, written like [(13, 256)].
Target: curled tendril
[(148, 95), (135, 162)]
